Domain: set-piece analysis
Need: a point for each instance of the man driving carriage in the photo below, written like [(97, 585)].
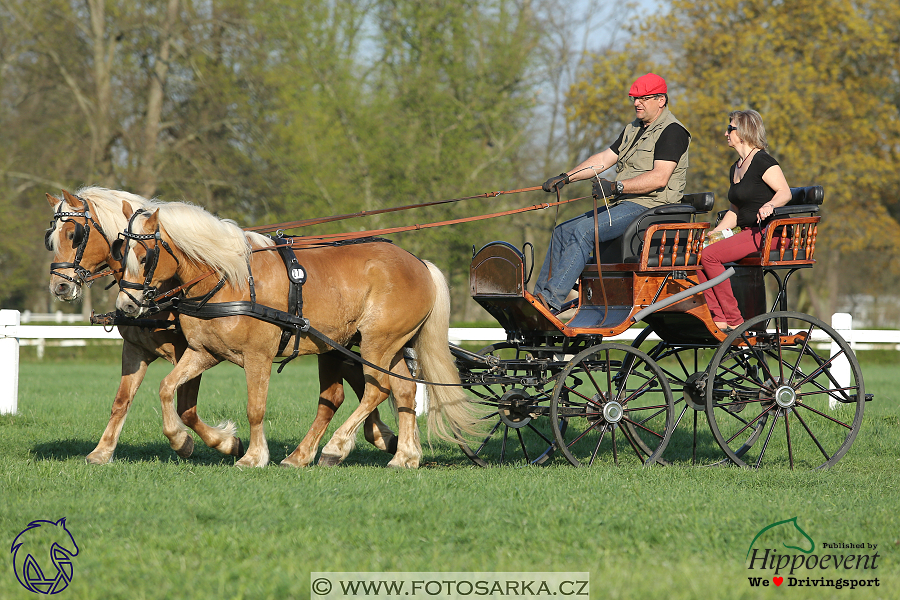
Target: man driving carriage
[(651, 160)]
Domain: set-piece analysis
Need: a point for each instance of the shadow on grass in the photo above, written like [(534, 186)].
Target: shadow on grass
[(363, 455)]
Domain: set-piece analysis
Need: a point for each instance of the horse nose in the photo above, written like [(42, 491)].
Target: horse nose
[(127, 305), (63, 289)]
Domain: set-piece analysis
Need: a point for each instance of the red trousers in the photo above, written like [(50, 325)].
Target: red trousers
[(720, 298)]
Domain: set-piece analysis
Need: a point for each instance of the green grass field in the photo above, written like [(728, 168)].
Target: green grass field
[(152, 525)]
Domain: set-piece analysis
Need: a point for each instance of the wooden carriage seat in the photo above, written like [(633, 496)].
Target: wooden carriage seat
[(795, 250), (671, 230), (791, 239)]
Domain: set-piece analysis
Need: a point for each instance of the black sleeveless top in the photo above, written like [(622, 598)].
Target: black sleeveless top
[(751, 192)]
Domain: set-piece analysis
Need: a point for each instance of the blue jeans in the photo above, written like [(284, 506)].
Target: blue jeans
[(571, 246)]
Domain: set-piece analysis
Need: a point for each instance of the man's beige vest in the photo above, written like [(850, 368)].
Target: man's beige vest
[(637, 157)]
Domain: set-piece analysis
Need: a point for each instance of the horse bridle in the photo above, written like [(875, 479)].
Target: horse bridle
[(150, 262), (79, 242)]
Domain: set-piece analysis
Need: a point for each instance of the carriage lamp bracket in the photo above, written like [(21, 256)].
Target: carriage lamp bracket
[(531, 268)]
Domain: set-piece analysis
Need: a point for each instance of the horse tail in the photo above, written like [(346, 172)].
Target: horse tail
[(450, 412)]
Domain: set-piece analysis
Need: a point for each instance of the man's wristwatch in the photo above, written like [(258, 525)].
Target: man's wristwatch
[(620, 187)]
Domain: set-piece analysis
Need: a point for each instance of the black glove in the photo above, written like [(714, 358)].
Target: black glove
[(604, 188), (554, 183)]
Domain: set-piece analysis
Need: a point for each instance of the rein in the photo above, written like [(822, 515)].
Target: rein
[(365, 213), (314, 240)]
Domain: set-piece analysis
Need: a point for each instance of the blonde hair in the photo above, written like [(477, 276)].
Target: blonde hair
[(750, 127), (218, 243)]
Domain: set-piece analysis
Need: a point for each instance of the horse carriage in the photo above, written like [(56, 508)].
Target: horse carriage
[(782, 388)]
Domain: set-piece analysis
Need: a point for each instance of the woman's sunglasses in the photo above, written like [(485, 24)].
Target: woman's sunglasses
[(729, 129)]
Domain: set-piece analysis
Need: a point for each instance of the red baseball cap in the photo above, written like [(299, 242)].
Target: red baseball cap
[(648, 84)]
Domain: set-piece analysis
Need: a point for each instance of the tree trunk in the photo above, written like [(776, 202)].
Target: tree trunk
[(146, 176)]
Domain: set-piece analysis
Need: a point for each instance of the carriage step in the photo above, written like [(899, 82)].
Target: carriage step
[(869, 398)]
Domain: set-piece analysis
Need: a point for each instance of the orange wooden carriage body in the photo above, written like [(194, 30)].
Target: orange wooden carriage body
[(646, 273), (561, 385)]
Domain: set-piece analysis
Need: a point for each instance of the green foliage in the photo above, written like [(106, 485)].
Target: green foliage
[(273, 111), (381, 104), (821, 73)]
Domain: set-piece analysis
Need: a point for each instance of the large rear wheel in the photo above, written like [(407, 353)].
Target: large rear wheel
[(791, 396)]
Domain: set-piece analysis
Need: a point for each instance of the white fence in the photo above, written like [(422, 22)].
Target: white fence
[(13, 333)]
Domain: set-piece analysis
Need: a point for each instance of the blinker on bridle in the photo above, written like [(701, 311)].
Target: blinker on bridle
[(79, 242), (119, 251)]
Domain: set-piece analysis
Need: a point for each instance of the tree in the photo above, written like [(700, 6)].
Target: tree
[(129, 95), (822, 74), (391, 102)]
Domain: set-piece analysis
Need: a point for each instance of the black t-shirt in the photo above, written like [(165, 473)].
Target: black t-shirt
[(671, 145), (751, 192)]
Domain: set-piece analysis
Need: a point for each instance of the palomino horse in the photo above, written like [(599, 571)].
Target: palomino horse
[(81, 234), (373, 294)]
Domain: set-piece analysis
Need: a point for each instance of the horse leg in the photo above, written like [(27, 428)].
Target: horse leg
[(331, 396), (189, 366), (258, 370), (344, 439), (409, 448), (134, 367), (221, 437), (376, 431)]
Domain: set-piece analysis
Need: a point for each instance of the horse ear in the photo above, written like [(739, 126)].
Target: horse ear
[(53, 200), (73, 201), (127, 210), (152, 222)]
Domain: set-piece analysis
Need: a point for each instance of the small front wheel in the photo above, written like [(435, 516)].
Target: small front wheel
[(516, 427), (616, 404)]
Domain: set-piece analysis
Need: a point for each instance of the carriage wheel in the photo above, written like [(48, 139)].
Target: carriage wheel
[(682, 367), (797, 389), (617, 404), (685, 367), (516, 424)]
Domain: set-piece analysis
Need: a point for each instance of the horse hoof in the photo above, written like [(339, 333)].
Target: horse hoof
[(392, 446), (329, 460), (238, 449), (288, 464), (187, 448), (97, 459), (403, 464)]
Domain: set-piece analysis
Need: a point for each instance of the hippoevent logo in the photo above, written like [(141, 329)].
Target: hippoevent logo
[(783, 554), (42, 556)]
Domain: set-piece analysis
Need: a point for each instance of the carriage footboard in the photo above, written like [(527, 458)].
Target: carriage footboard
[(675, 298)]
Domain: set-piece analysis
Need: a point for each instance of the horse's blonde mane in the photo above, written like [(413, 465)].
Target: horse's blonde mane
[(218, 244), (106, 208)]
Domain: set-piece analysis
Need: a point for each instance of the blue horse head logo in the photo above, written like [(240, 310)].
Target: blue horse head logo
[(30, 550)]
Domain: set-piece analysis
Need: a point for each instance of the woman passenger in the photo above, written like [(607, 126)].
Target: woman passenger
[(757, 187)]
